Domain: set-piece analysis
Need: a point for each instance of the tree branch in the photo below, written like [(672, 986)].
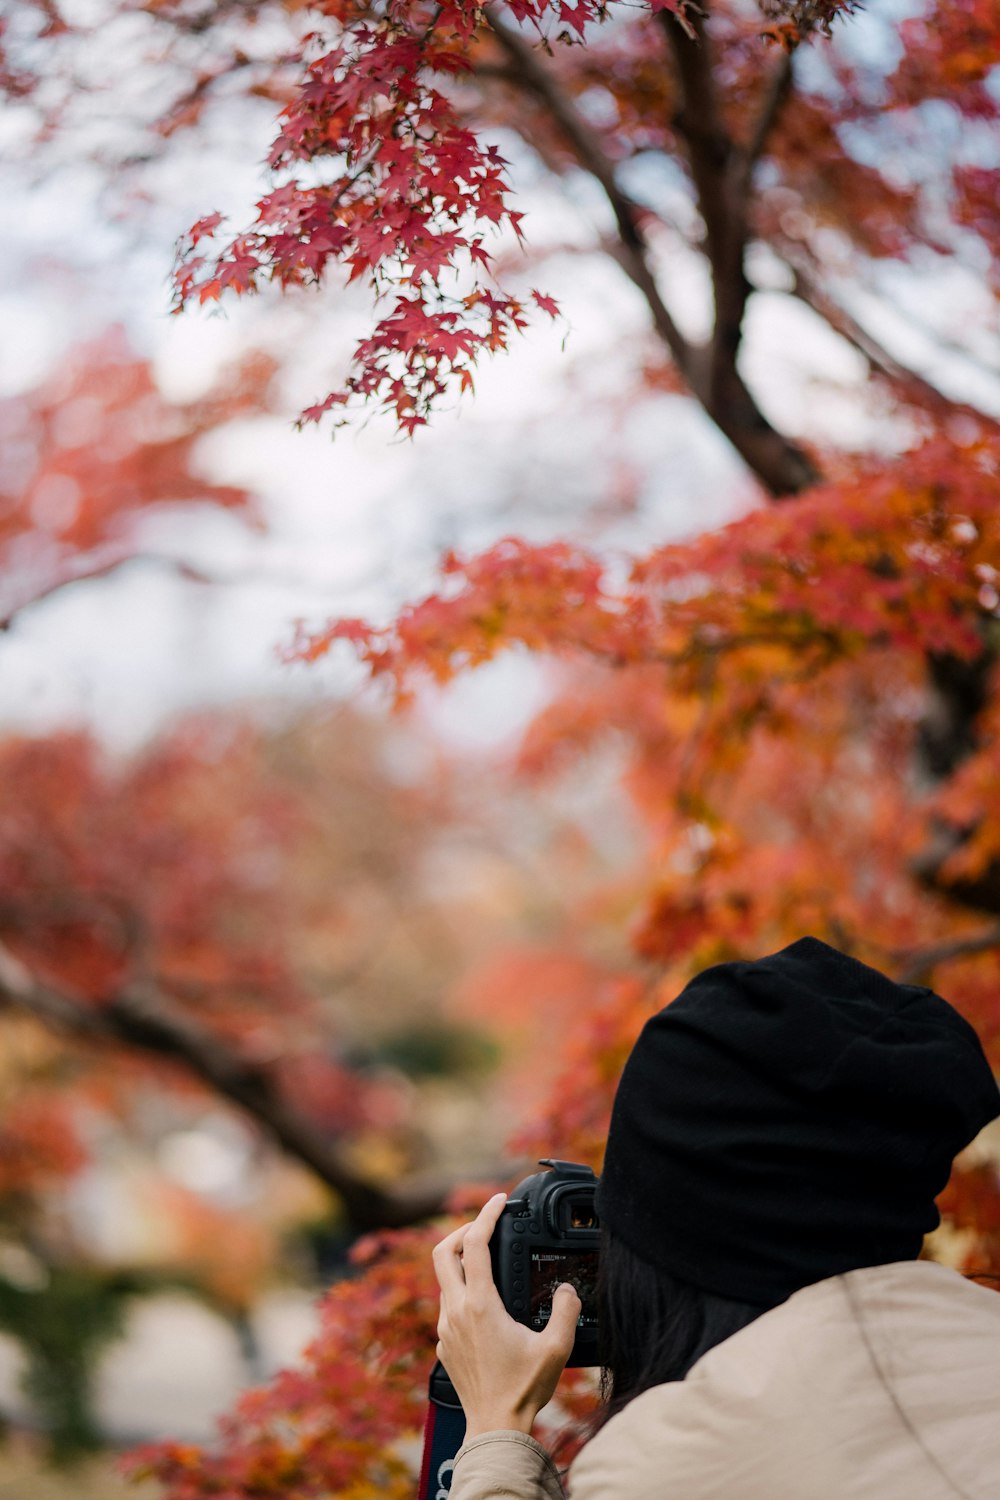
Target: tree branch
[(717, 173), (722, 176), (918, 962), (709, 370), (911, 384), (528, 73), (100, 562), (139, 1017), (773, 100)]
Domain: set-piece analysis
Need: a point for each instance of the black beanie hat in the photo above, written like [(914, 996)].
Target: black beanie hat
[(788, 1119)]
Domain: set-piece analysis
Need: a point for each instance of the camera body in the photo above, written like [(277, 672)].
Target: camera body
[(548, 1233)]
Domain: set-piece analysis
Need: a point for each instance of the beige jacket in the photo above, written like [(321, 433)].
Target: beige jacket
[(883, 1384)]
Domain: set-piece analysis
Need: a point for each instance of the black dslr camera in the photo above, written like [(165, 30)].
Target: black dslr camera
[(548, 1233)]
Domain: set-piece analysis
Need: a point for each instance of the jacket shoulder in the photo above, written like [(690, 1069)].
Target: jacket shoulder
[(883, 1381)]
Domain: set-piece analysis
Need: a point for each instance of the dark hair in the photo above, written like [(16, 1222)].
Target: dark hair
[(653, 1325)]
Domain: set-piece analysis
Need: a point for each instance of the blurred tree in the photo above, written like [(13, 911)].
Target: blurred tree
[(90, 452), (252, 912), (240, 915), (199, 904), (807, 700), (240, 905)]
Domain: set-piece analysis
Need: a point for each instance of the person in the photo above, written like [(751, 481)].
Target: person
[(778, 1138)]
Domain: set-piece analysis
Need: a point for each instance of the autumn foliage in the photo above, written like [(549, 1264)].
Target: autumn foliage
[(805, 703), (766, 719), (91, 452)]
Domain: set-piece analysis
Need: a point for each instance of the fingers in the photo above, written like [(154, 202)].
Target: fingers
[(476, 1248), (447, 1260), (451, 1256), (561, 1327)]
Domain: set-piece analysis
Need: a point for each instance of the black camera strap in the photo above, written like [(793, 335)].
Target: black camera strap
[(443, 1436)]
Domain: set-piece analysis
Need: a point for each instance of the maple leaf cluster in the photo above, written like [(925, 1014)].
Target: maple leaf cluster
[(899, 559), (383, 179), (409, 199)]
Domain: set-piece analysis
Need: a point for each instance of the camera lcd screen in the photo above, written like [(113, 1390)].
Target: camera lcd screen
[(549, 1268)]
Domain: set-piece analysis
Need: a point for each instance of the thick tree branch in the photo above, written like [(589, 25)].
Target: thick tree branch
[(717, 176), (527, 72), (721, 173), (710, 371), (139, 1017)]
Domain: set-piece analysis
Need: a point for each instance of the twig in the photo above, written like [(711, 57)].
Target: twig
[(99, 563)]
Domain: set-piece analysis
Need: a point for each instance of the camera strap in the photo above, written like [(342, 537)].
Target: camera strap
[(443, 1436)]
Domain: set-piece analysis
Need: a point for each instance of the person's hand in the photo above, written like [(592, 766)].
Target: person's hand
[(503, 1372)]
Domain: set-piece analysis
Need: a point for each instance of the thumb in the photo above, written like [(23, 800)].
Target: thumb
[(566, 1307)]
